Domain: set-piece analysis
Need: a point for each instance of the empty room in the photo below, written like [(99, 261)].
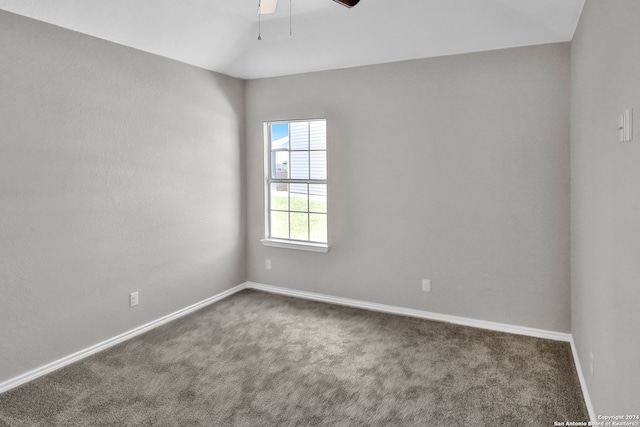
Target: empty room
[(320, 213)]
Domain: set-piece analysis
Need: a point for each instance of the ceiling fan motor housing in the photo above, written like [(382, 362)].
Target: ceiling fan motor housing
[(348, 3)]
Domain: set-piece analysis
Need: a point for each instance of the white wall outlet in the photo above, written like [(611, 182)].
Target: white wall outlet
[(591, 363), (268, 264), (426, 285), (133, 299)]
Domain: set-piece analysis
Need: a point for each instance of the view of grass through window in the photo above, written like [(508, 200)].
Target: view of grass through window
[(298, 216)]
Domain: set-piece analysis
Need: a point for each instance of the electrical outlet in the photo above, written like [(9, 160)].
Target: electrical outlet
[(591, 358), (268, 264), (426, 285), (133, 299)]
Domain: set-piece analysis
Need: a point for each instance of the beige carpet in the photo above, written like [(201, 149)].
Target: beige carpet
[(256, 359)]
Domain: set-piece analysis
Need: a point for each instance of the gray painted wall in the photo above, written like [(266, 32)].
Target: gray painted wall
[(605, 203), (119, 171), (453, 169)]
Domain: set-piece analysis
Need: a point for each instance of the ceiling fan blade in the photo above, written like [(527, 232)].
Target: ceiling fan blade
[(347, 3), (266, 7)]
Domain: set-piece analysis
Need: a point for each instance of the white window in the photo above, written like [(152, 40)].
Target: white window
[(296, 184)]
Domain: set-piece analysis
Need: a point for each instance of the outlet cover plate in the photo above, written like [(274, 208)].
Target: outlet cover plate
[(133, 299)]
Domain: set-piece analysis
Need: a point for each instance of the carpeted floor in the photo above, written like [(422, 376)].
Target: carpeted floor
[(257, 359)]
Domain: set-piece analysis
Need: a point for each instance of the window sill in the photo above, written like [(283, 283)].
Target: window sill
[(301, 246)]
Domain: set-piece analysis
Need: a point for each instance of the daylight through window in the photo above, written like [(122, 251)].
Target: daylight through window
[(297, 181)]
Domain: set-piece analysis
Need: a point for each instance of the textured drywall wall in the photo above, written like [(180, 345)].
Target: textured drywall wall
[(454, 169), (605, 204), (119, 171)]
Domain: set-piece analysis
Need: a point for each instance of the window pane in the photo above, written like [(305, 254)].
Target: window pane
[(299, 136), (299, 165), (279, 131), (318, 135), (298, 210), (318, 189), (280, 225), (318, 227), (318, 164), (280, 164), (318, 198), (280, 197), (299, 226), (300, 197)]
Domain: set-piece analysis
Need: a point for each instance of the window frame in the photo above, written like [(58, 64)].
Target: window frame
[(289, 243)]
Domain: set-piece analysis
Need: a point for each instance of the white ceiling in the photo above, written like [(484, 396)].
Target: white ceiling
[(221, 35)]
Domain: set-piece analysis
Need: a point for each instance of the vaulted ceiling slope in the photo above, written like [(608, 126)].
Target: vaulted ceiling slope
[(221, 35)]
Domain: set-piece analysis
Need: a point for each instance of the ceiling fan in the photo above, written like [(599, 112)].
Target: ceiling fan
[(266, 7)]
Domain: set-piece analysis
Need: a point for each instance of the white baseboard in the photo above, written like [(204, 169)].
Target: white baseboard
[(43, 370), (493, 326), (583, 382), (501, 327)]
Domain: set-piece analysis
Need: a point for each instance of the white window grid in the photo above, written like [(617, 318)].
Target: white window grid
[(291, 181)]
